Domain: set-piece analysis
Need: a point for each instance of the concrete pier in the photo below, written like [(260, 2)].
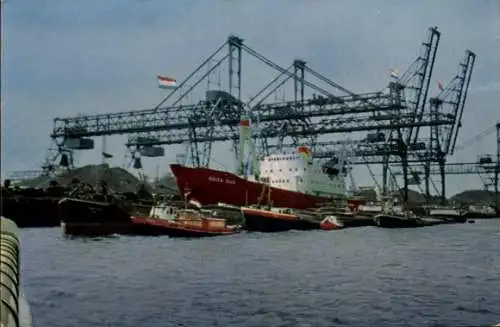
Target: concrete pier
[(14, 310)]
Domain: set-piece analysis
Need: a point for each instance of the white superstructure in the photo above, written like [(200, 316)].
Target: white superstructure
[(297, 172), (163, 211), (293, 171)]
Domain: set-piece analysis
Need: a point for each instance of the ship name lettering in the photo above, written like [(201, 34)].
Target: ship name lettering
[(221, 180)]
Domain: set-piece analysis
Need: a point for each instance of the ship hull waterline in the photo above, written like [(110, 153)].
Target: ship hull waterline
[(208, 187), (153, 226)]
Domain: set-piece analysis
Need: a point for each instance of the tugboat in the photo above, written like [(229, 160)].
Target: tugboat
[(392, 220), (480, 212), (396, 216), (448, 214), (407, 219), (176, 222), (285, 219)]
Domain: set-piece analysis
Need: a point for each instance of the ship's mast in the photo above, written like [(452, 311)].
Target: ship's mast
[(244, 129), (246, 141), (255, 162)]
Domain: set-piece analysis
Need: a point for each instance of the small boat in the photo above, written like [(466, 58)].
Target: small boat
[(407, 220), (330, 223), (480, 212), (448, 214), (387, 220), (285, 219), (176, 222)]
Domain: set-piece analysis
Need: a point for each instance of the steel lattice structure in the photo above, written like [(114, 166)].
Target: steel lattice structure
[(226, 113), (450, 102), (486, 167), (399, 112), (439, 143)]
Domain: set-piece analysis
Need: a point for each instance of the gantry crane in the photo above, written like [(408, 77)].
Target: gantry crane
[(486, 167), (451, 103), (215, 118), (408, 92)]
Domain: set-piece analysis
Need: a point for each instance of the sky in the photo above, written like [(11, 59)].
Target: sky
[(68, 58)]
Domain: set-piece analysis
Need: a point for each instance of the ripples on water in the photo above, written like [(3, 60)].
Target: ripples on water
[(435, 276)]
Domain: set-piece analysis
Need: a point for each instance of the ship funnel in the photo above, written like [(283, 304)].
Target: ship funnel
[(244, 127), (304, 152)]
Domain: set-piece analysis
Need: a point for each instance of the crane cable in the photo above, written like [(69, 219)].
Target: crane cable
[(473, 140)]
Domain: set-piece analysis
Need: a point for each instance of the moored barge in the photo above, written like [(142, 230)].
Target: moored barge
[(285, 219)]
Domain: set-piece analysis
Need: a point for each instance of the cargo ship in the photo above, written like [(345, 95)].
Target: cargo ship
[(287, 180)]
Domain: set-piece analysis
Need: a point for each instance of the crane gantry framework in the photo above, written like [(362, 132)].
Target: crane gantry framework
[(393, 142), (441, 140), (487, 167), (216, 117), (428, 148)]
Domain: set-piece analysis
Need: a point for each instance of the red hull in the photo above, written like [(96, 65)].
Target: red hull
[(267, 221), (173, 228), (208, 186)]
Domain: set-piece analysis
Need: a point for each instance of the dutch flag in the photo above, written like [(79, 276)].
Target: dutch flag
[(166, 82)]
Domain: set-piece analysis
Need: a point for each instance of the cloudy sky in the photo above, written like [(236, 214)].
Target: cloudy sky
[(67, 57)]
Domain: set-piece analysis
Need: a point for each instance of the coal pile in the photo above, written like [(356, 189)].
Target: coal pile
[(34, 202), (167, 185), (117, 179)]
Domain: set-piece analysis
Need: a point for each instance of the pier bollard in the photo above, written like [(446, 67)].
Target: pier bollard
[(14, 310)]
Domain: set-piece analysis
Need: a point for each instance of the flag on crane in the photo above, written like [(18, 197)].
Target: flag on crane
[(394, 73), (440, 86), (166, 82)]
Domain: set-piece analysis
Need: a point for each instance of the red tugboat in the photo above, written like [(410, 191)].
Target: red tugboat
[(285, 219), (182, 223), (294, 179)]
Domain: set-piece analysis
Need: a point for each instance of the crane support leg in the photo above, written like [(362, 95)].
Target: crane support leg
[(442, 164), (385, 170), (497, 169), (427, 176)]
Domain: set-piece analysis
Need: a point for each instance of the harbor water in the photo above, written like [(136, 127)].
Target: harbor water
[(446, 275)]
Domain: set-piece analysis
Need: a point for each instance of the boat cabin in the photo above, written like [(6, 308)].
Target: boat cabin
[(163, 211), (191, 217)]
